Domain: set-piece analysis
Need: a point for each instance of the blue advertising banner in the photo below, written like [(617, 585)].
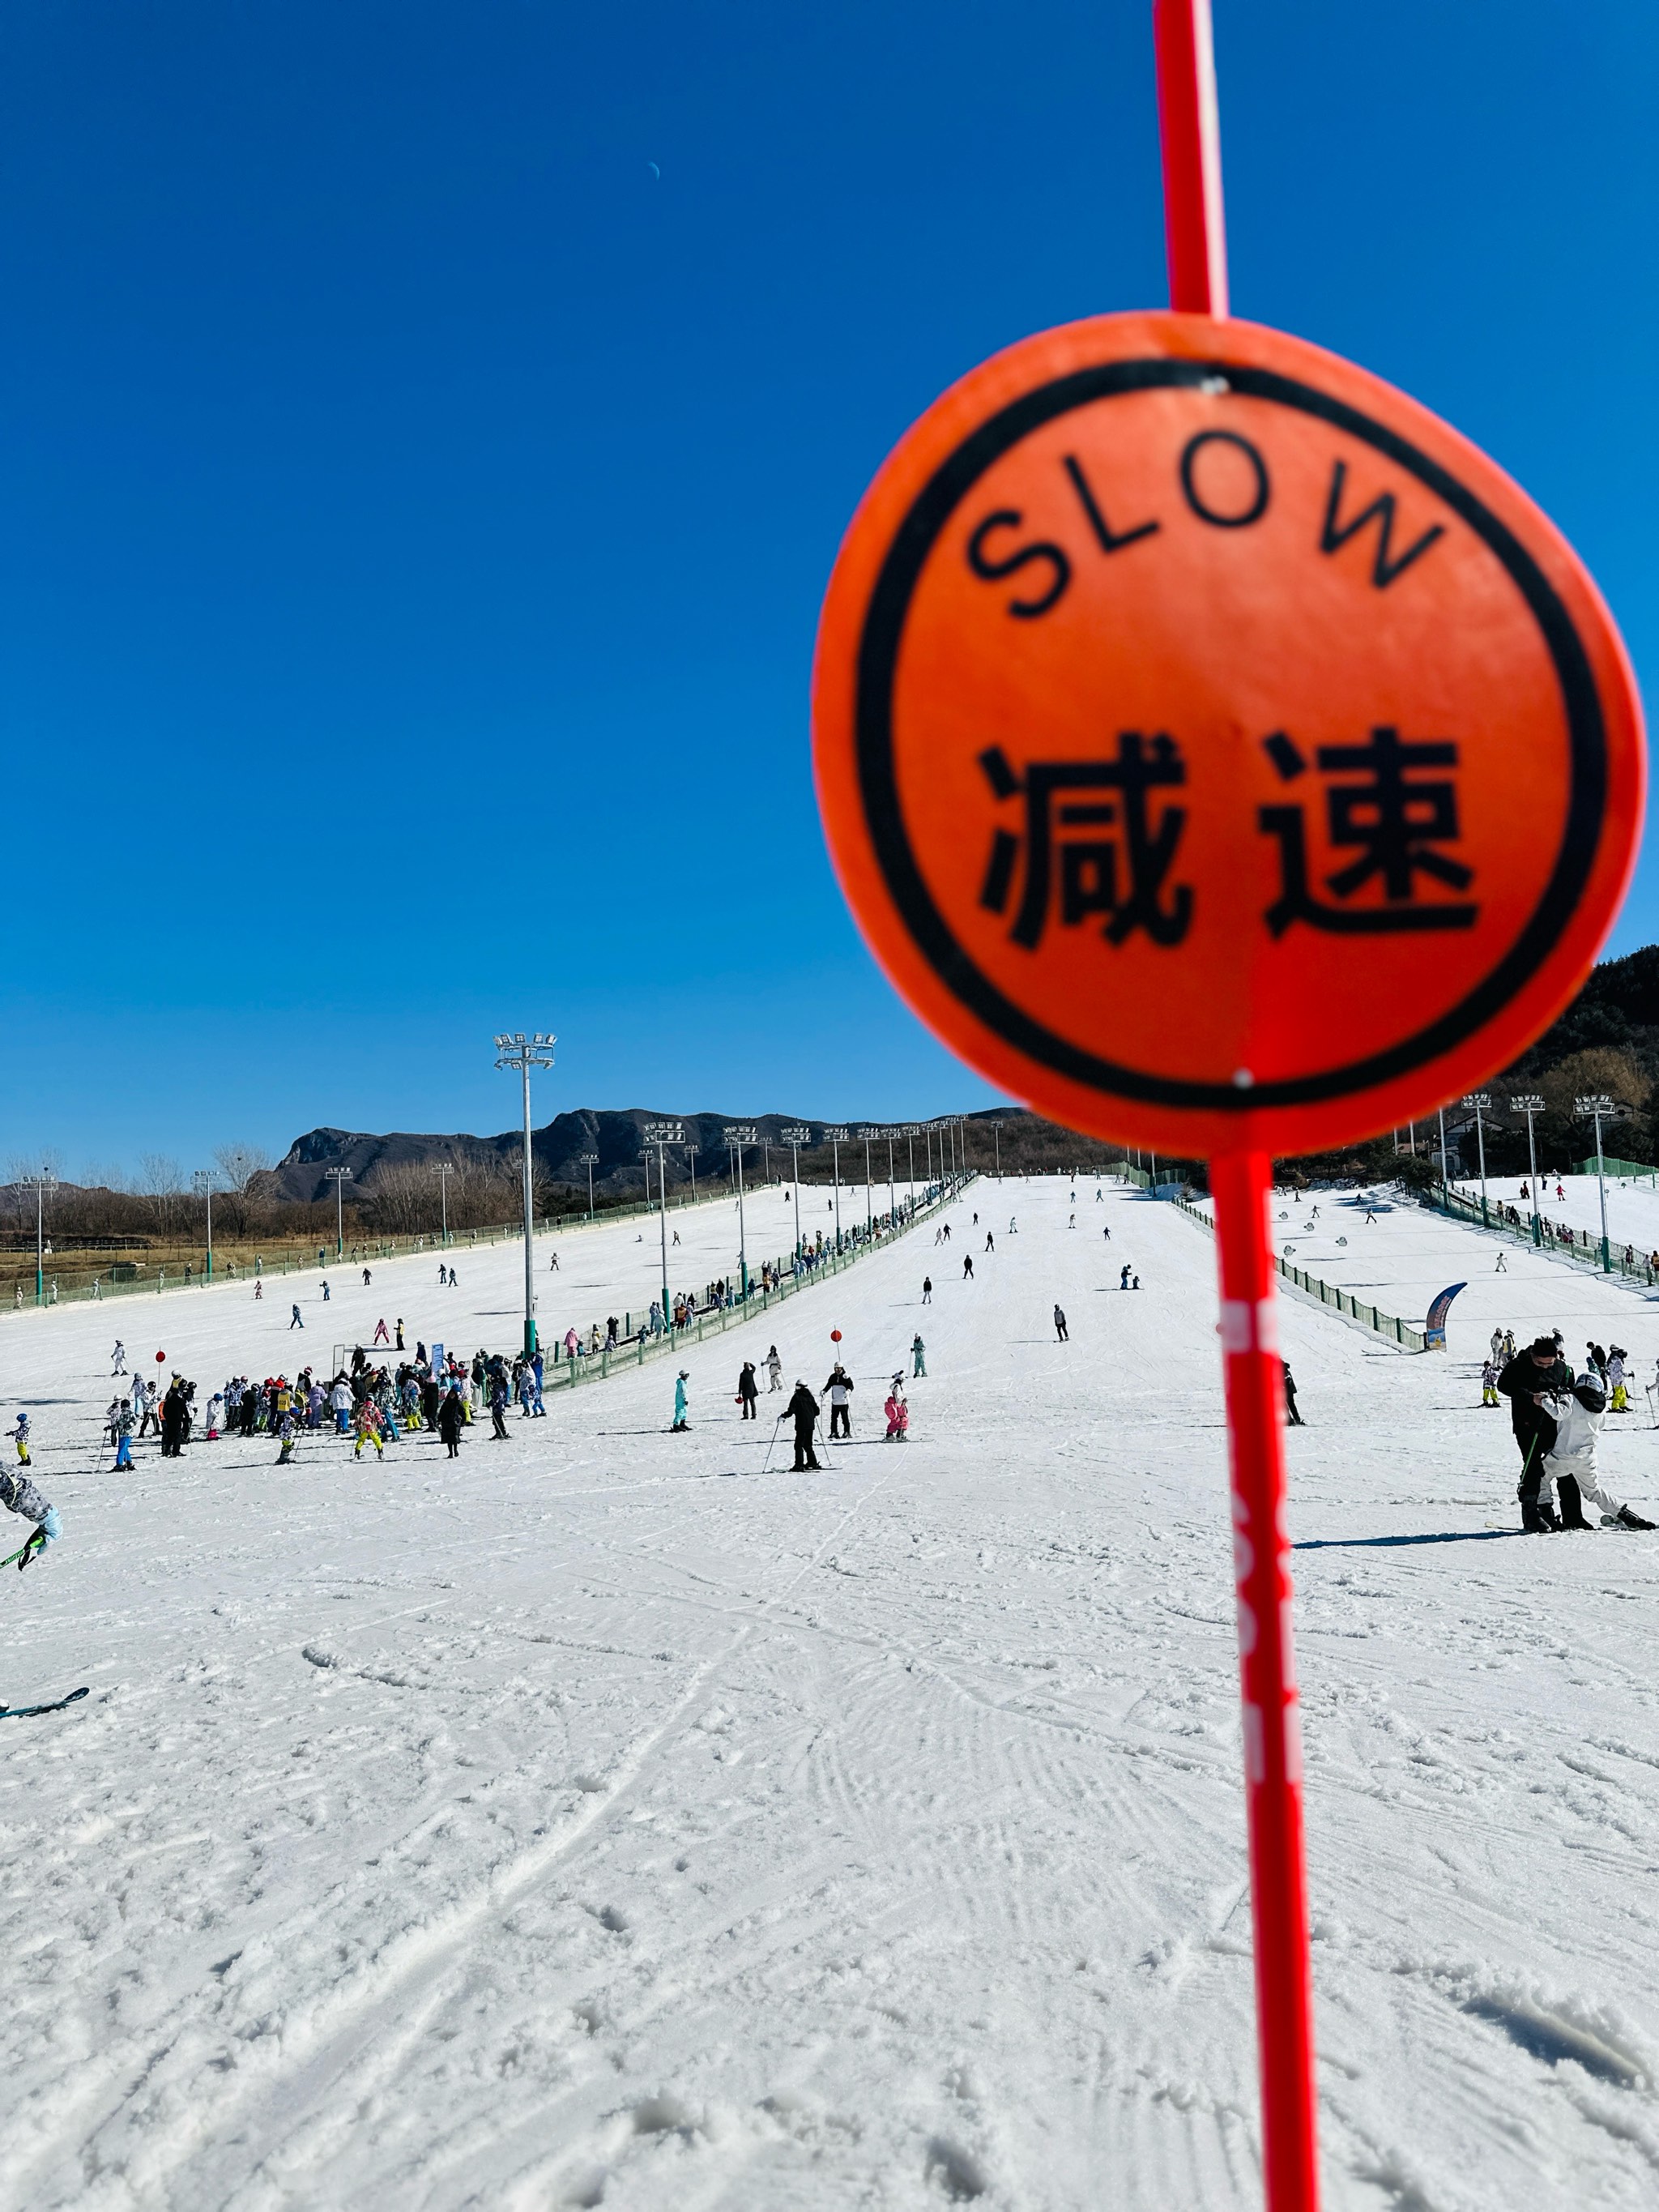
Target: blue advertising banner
[(1434, 1328)]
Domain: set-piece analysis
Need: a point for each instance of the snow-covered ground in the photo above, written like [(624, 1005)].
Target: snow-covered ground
[(612, 1817)]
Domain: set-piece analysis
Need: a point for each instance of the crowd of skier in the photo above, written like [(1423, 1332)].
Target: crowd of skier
[(1558, 1407)]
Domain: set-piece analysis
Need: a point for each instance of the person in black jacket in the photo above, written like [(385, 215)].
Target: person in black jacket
[(174, 1420), (450, 1414), (748, 1390), (1529, 1381), (803, 1410)]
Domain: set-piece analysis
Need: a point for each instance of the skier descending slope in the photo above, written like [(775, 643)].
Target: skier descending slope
[(18, 1495)]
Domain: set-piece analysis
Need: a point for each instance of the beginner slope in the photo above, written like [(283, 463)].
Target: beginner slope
[(615, 1817)]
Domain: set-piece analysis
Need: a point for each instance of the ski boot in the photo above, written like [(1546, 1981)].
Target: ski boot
[(1572, 1504), (1624, 1518)]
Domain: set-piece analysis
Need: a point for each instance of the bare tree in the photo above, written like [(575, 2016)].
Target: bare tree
[(161, 1182), (239, 1165), (404, 1196)]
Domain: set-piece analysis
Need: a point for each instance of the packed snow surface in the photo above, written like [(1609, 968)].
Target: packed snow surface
[(610, 1817)]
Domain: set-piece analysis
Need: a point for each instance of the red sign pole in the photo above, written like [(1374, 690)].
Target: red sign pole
[(1242, 1183), (1194, 229), (1190, 127)]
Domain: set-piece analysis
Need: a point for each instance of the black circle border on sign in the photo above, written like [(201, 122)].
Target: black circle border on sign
[(878, 661)]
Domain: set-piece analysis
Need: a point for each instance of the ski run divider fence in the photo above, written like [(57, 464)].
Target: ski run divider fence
[(373, 1250), (1314, 1288), (1583, 1247), (561, 1372)]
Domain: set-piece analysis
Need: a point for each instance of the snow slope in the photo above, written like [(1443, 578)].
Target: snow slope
[(1407, 1254), (1633, 1205), (610, 1817)]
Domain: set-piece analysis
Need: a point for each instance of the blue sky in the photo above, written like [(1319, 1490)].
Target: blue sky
[(416, 511)]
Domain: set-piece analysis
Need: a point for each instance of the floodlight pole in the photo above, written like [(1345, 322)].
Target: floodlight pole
[(443, 1169), (1445, 1188), (1596, 1108), (43, 1182), (514, 1049), (837, 1138), (739, 1134), (339, 1177), (203, 1180), (795, 1137), (910, 1138), (691, 1151), (1529, 1105), (892, 1194), (662, 1134), (1481, 1102), (588, 1160), (869, 1200)]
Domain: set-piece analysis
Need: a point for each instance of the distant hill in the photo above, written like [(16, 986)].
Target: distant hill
[(378, 1165)]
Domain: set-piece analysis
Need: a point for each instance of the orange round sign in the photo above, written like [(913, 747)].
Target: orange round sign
[(1216, 750)]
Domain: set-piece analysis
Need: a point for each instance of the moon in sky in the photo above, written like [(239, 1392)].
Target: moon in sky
[(654, 170)]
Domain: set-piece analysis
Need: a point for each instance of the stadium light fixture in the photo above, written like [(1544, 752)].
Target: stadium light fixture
[(513, 1049)]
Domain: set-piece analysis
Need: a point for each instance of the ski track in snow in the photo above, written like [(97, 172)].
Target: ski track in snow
[(599, 1819)]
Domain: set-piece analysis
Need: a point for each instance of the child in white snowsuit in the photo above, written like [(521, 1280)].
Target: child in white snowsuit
[(1571, 1460)]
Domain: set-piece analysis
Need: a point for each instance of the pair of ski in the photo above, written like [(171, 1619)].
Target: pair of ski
[(35, 1545)]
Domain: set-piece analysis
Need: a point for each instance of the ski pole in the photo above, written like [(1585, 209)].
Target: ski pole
[(772, 1445)]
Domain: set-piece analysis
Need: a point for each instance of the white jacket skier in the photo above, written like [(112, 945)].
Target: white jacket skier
[(1578, 1417)]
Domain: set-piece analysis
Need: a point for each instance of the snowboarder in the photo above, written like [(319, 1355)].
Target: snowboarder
[(919, 1355), (803, 1410), (1061, 1331), (1571, 1460), (748, 1390), (1534, 1375), (681, 1403)]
